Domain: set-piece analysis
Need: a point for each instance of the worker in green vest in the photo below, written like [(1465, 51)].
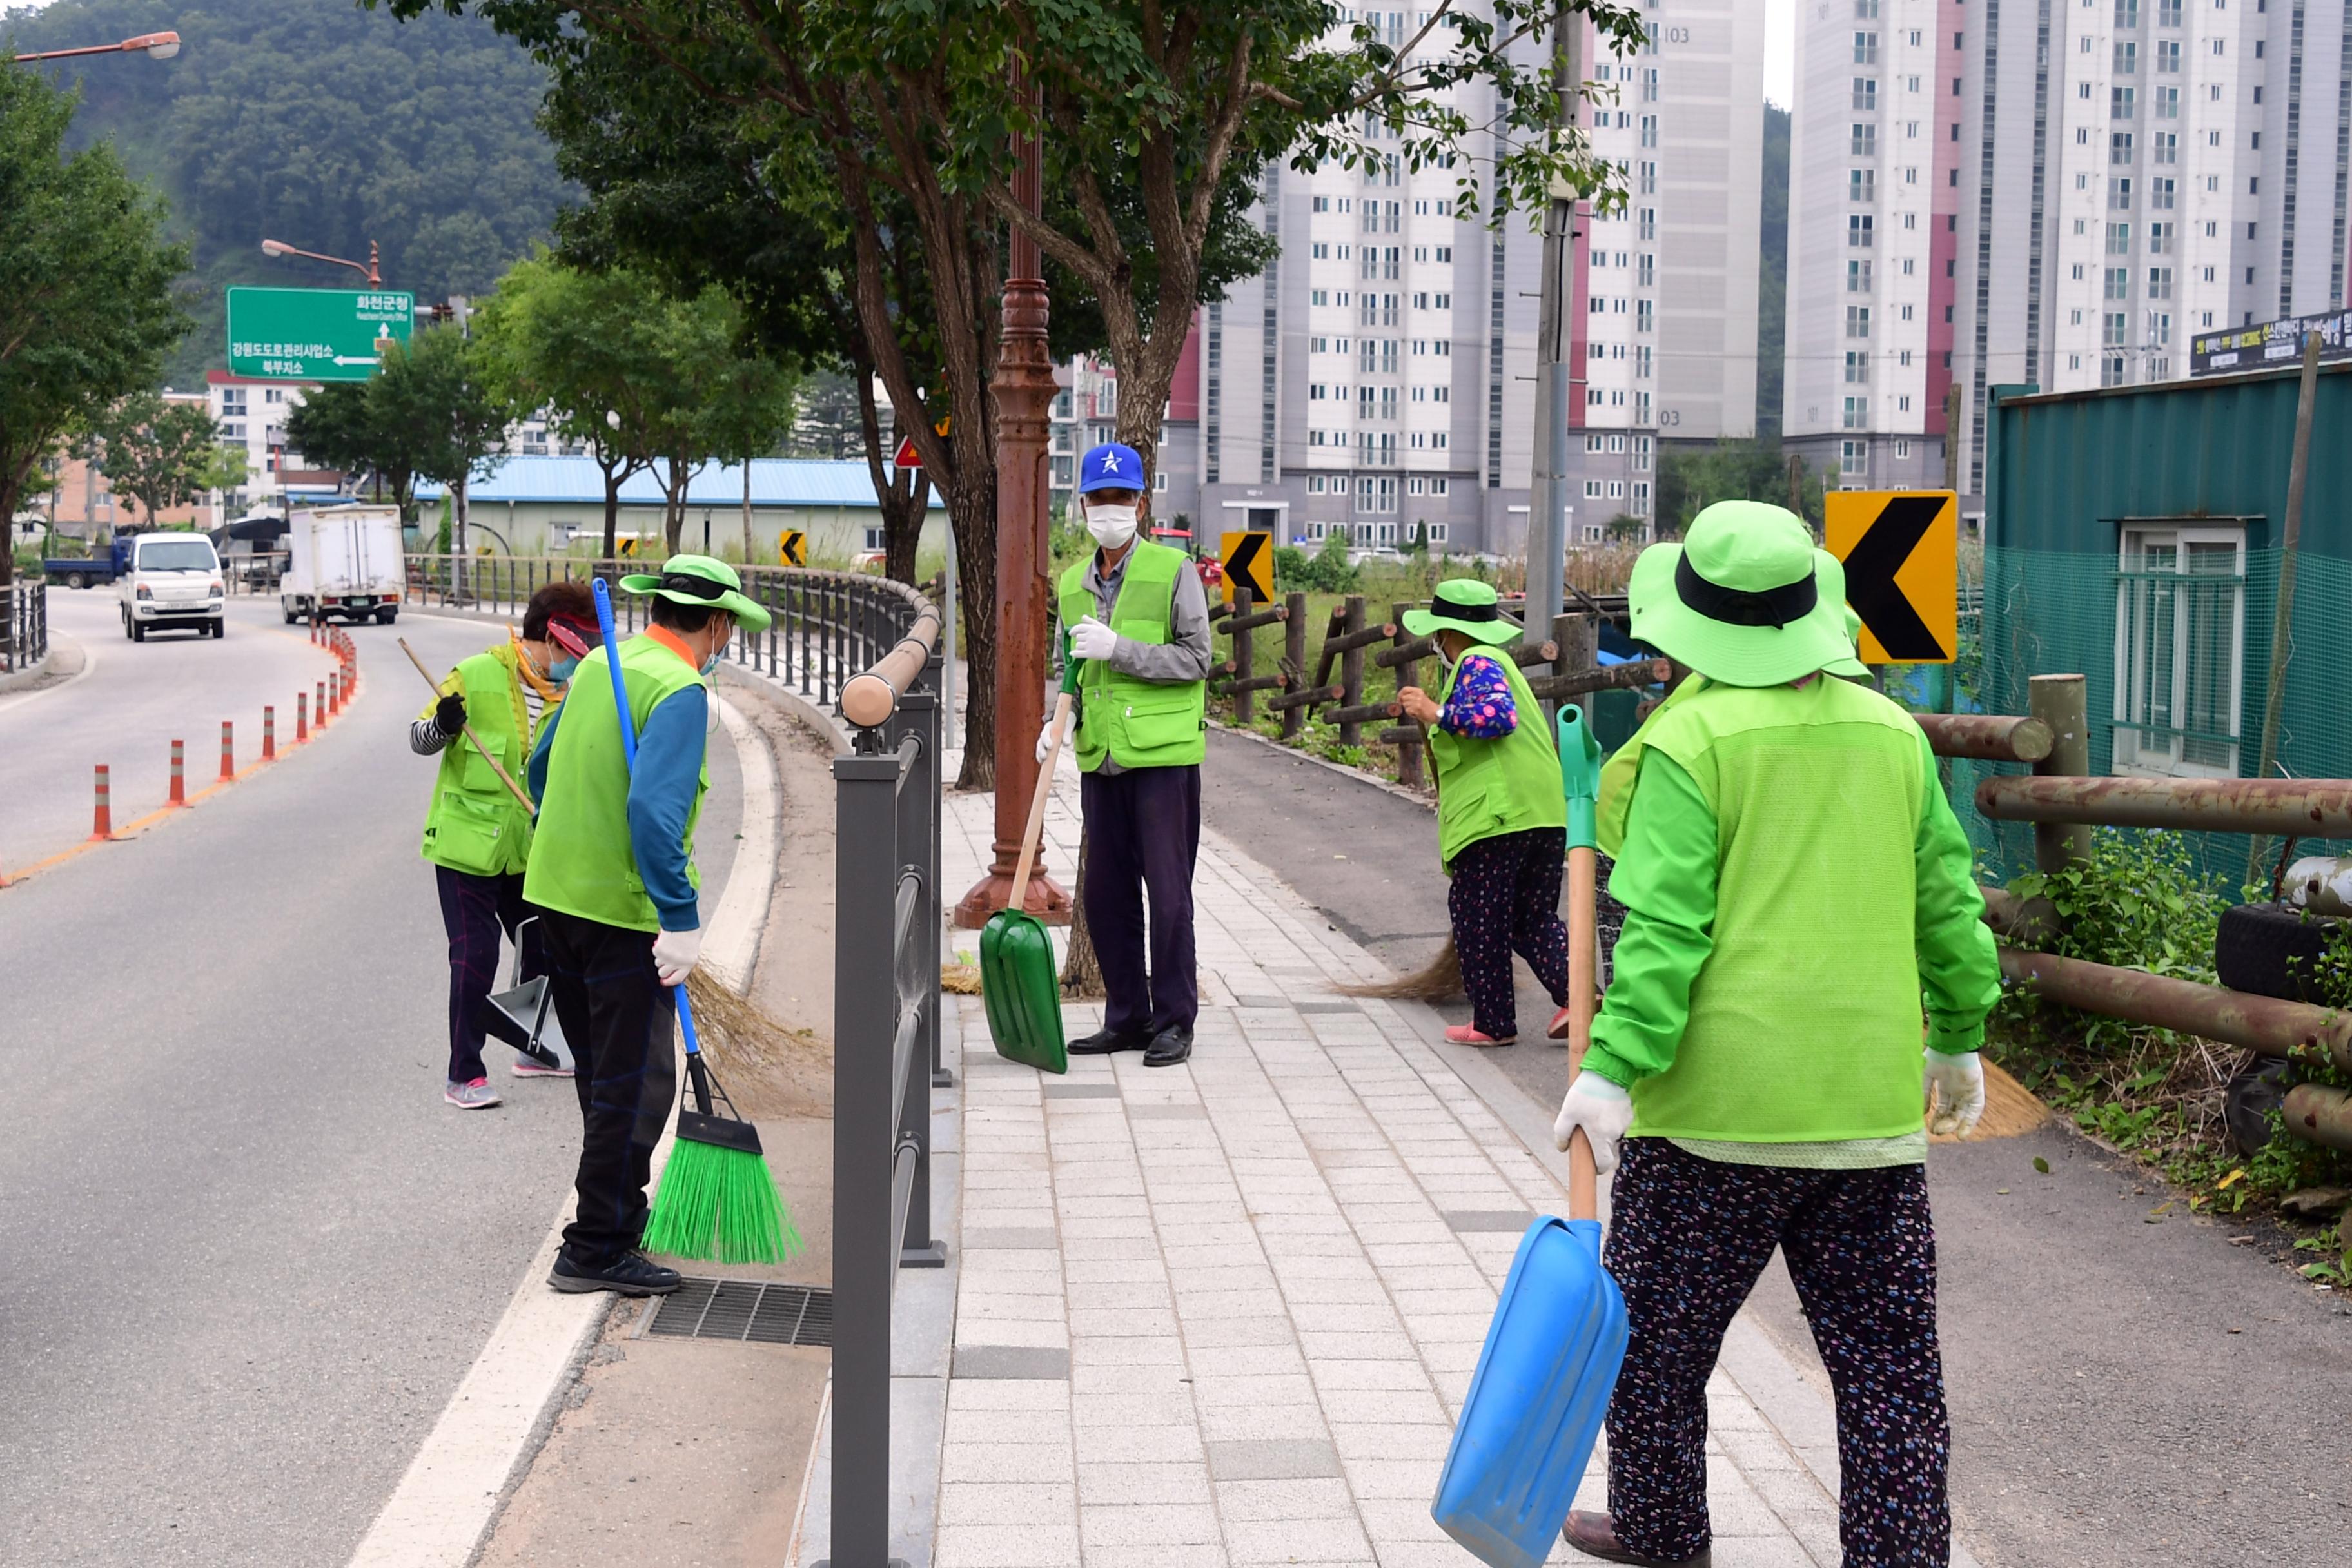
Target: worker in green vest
[(1134, 615), (478, 836), (1502, 824), (1801, 909), (613, 878)]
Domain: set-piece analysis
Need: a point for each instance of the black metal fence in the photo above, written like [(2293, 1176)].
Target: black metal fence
[(886, 1051), (27, 640)]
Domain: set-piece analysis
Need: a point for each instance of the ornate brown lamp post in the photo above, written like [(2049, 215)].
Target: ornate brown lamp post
[(1023, 388)]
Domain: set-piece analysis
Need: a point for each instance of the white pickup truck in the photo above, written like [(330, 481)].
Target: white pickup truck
[(343, 562), (172, 580)]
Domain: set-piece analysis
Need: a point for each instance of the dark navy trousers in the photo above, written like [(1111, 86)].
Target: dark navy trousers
[(477, 911), (1144, 834)]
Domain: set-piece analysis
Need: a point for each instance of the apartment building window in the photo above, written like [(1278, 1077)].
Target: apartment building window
[(2118, 283), (1859, 230), (1857, 320), (1865, 142), (1388, 356), (1642, 446), (1862, 184), (2168, 56), (2119, 147), (2126, 58), (1866, 93), (2119, 194), (1857, 276), (1649, 178), (1865, 10), (1852, 456), (2161, 194), (1642, 363), (1389, 257), (1648, 226), (1649, 84), (1443, 303), (2181, 615), (2126, 13), (1649, 131), (1645, 270), (1595, 444), (1388, 402), (2115, 332), (2119, 240), (2168, 13), (1593, 490), (2119, 102), (2166, 103), (1866, 49), (2164, 147), (2160, 330), (1857, 369), (1904, 359), (1371, 263)]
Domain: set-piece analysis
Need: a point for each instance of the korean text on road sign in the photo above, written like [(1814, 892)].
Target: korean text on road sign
[(1249, 562), (1901, 549)]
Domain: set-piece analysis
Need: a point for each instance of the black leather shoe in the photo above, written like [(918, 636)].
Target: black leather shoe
[(1103, 1042), (1168, 1046), (1595, 1535), (630, 1274)]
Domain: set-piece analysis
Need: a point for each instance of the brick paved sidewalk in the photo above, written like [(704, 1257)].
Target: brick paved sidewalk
[(1226, 1313)]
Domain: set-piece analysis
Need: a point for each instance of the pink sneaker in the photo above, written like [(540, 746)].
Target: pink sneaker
[(531, 1067), (1468, 1034), (476, 1095), (1559, 1023)]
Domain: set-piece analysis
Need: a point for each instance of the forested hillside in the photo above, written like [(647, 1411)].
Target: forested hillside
[(319, 124)]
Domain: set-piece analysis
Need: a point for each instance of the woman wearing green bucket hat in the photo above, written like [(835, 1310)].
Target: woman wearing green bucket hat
[(1797, 896), (1502, 824), (611, 875)]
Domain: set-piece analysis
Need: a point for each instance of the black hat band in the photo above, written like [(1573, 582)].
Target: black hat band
[(699, 587), (1451, 611), (1774, 607)]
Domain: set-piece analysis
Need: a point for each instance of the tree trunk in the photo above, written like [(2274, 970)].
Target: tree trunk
[(972, 510), (612, 512), (902, 528), (1081, 970)]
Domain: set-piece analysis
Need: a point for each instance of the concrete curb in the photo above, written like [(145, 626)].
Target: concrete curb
[(53, 671)]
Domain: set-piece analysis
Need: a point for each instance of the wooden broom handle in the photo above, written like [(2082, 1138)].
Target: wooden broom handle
[(504, 777), (1583, 966), (1036, 828)]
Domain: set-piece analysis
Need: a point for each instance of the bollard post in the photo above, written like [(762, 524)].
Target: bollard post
[(101, 818), (2062, 702), (1294, 661), (1352, 672), (1407, 674), (319, 706), (268, 733), (1245, 660), (179, 774), (228, 752), (301, 718), (1579, 636)]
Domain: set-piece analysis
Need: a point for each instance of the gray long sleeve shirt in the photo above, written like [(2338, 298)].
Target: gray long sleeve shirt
[(1184, 656)]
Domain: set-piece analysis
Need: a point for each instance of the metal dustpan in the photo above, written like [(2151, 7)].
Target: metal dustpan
[(1557, 1338), (532, 1008), (1018, 978)]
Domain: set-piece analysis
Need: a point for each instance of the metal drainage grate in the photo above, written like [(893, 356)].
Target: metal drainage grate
[(744, 1309)]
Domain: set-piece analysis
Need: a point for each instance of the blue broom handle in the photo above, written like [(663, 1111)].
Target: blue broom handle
[(629, 752)]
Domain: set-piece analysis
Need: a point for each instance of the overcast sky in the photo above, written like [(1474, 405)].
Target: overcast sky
[(1779, 50)]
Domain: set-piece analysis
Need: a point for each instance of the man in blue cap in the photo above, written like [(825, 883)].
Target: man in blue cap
[(1134, 613)]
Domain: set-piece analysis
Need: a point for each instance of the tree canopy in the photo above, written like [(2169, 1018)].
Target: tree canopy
[(322, 125), (163, 455), (87, 311)]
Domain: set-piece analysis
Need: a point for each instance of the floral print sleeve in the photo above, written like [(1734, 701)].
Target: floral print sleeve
[(1479, 708)]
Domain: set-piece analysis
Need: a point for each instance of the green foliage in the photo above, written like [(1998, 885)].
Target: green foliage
[(161, 455), (1324, 571), (2136, 903), (317, 123), (435, 410), (86, 307), (1688, 479)]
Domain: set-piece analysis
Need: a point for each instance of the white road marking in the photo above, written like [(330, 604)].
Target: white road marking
[(442, 1508)]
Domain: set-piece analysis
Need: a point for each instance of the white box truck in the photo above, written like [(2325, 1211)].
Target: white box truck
[(342, 561)]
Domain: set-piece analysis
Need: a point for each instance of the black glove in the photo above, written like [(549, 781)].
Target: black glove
[(450, 714)]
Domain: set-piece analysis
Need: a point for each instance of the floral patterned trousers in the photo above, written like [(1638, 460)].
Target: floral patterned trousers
[(1686, 1243)]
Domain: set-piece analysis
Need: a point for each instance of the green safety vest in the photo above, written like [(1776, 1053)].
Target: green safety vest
[(1805, 1019), (475, 824), (582, 863), (1136, 723), (1485, 788)]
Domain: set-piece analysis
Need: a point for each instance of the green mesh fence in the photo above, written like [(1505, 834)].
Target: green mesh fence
[(2175, 646)]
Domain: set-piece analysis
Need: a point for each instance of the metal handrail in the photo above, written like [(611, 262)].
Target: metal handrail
[(25, 642), (888, 919)]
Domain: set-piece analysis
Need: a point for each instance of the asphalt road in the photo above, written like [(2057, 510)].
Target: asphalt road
[(250, 1250), (126, 711), (2103, 1411)]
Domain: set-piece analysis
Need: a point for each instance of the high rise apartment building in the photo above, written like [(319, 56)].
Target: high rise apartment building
[(2129, 173), (1378, 377)]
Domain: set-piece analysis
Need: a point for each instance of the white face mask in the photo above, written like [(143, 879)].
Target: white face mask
[(1112, 526)]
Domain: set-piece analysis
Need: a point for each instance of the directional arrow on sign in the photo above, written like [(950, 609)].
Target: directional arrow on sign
[(357, 359), (1900, 550), (1249, 563)]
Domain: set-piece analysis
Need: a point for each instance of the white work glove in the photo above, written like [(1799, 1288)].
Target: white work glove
[(1044, 740), (1092, 639), (1604, 1108), (675, 952), (1954, 1090)]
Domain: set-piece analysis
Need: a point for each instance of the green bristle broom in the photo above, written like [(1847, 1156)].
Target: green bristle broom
[(716, 1200)]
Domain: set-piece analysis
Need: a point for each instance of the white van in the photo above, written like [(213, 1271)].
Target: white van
[(173, 580)]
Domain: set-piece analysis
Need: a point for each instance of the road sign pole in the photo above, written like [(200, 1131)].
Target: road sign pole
[(1546, 516)]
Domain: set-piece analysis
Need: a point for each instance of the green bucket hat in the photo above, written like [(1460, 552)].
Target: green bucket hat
[(1465, 604), (1745, 599), (701, 580), (1850, 667)]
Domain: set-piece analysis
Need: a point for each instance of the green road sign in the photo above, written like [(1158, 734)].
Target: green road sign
[(313, 334)]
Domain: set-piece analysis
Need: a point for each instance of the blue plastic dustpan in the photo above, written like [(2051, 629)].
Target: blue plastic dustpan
[(1536, 1400)]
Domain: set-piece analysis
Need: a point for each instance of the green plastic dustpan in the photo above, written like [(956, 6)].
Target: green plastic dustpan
[(1018, 978)]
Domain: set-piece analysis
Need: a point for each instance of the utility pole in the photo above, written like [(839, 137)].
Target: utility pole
[(461, 312), (1952, 436), (1547, 492), (2290, 546)]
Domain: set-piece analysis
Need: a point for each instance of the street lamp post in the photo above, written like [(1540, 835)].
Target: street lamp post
[(370, 269), (155, 45)]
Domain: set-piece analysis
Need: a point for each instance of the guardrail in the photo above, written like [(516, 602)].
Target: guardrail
[(886, 1051), (25, 642)]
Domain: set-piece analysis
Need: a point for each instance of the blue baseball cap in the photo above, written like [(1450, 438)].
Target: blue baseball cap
[(1111, 466)]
